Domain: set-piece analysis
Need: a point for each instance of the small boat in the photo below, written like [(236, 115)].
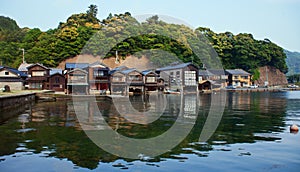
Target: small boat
[(171, 92)]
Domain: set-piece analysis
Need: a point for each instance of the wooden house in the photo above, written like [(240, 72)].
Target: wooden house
[(182, 77), (238, 78), (98, 77), (134, 80), (118, 83), (12, 77), (77, 81), (150, 80), (124, 80), (57, 81), (38, 76)]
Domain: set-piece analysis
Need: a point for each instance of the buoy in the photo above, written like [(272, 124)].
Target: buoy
[(294, 128)]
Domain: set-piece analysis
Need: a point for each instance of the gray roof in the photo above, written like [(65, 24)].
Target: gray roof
[(217, 71), (172, 67), (129, 70), (146, 72), (96, 64), (76, 65), (54, 71), (38, 65), (120, 68), (204, 73), (237, 72), (23, 67)]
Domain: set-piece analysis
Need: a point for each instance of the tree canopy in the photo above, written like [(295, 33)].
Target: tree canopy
[(84, 33)]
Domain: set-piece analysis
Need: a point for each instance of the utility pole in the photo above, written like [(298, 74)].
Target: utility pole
[(23, 54)]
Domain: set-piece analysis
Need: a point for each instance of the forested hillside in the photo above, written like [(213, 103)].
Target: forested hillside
[(293, 62), (114, 34)]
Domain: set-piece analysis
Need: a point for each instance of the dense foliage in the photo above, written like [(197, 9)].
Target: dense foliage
[(293, 62), (243, 51), (124, 34)]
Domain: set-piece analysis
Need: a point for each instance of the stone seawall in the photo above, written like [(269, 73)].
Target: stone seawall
[(10, 101)]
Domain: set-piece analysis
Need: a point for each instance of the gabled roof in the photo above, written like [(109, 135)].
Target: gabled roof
[(76, 65), (217, 71), (98, 64), (120, 68), (129, 71), (77, 69), (55, 70), (57, 74), (172, 67), (237, 72), (23, 67), (32, 65), (146, 72), (13, 70)]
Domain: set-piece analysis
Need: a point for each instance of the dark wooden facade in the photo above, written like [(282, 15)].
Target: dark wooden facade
[(150, 80), (38, 76), (57, 82)]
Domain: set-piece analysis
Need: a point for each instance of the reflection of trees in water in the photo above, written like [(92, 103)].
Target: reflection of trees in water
[(248, 117)]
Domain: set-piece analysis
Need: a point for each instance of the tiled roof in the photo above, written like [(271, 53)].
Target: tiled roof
[(179, 66), (38, 65), (146, 72), (237, 72), (97, 64), (13, 70), (217, 71), (120, 68), (129, 70), (55, 70), (23, 67), (76, 65)]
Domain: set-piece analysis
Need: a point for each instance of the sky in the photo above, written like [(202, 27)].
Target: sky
[(277, 20)]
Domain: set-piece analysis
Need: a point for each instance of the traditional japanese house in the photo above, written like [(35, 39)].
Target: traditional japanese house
[(134, 80), (57, 80), (118, 83), (180, 77), (12, 77), (238, 78), (99, 77), (77, 81), (38, 76), (150, 80)]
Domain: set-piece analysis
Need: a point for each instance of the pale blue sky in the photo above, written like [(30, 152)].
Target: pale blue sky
[(277, 20)]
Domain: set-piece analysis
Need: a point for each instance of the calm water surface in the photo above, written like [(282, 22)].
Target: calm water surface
[(253, 135)]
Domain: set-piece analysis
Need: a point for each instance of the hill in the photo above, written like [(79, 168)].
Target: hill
[(85, 34), (293, 62)]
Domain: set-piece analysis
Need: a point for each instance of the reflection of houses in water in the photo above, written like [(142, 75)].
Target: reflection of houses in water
[(183, 105), (241, 101)]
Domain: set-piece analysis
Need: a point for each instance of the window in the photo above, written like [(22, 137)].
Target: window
[(6, 73), (38, 73), (56, 79), (98, 73), (172, 73), (236, 77), (150, 79), (134, 77)]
